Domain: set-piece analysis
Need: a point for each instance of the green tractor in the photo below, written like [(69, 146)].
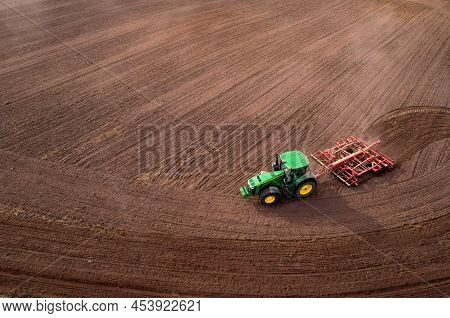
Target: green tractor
[(289, 177)]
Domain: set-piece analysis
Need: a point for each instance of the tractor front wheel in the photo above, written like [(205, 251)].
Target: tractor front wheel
[(305, 189), (270, 196)]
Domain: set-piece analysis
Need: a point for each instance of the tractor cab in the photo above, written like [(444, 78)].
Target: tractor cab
[(294, 164)]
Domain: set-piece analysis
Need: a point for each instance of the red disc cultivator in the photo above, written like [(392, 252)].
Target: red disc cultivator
[(351, 158)]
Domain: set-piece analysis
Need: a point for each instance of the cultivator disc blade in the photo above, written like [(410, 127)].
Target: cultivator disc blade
[(351, 158)]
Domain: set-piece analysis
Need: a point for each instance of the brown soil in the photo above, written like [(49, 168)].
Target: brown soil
[(79, 79)]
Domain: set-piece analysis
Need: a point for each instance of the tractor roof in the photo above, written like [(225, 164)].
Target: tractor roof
[(294, 159)]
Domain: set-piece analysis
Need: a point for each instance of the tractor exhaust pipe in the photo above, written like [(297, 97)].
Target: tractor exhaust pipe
[(276, 164)]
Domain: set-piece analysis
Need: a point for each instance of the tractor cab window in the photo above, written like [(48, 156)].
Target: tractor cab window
[(288, 175), (297, 173), (300, 172)]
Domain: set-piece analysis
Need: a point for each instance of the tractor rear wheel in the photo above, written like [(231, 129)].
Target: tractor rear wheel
[(270, 196), (305, 189)]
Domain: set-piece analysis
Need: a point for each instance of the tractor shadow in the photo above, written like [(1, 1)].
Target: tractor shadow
[(317, 211)]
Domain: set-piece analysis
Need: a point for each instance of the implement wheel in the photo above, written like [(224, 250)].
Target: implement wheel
[(305, 189), (270, 196)]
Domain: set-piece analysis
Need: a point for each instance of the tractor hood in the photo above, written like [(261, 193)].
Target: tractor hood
[(264, 178)]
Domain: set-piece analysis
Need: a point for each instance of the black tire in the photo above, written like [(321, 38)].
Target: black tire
[(270, 196), (310, 185)]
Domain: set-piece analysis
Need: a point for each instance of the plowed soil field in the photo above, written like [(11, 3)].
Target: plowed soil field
[(89, 207)]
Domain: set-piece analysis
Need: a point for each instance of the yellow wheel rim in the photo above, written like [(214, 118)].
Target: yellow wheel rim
[(305, 189), (269, 199)]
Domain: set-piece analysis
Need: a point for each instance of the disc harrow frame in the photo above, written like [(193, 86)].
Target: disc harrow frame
[(351, 158)]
